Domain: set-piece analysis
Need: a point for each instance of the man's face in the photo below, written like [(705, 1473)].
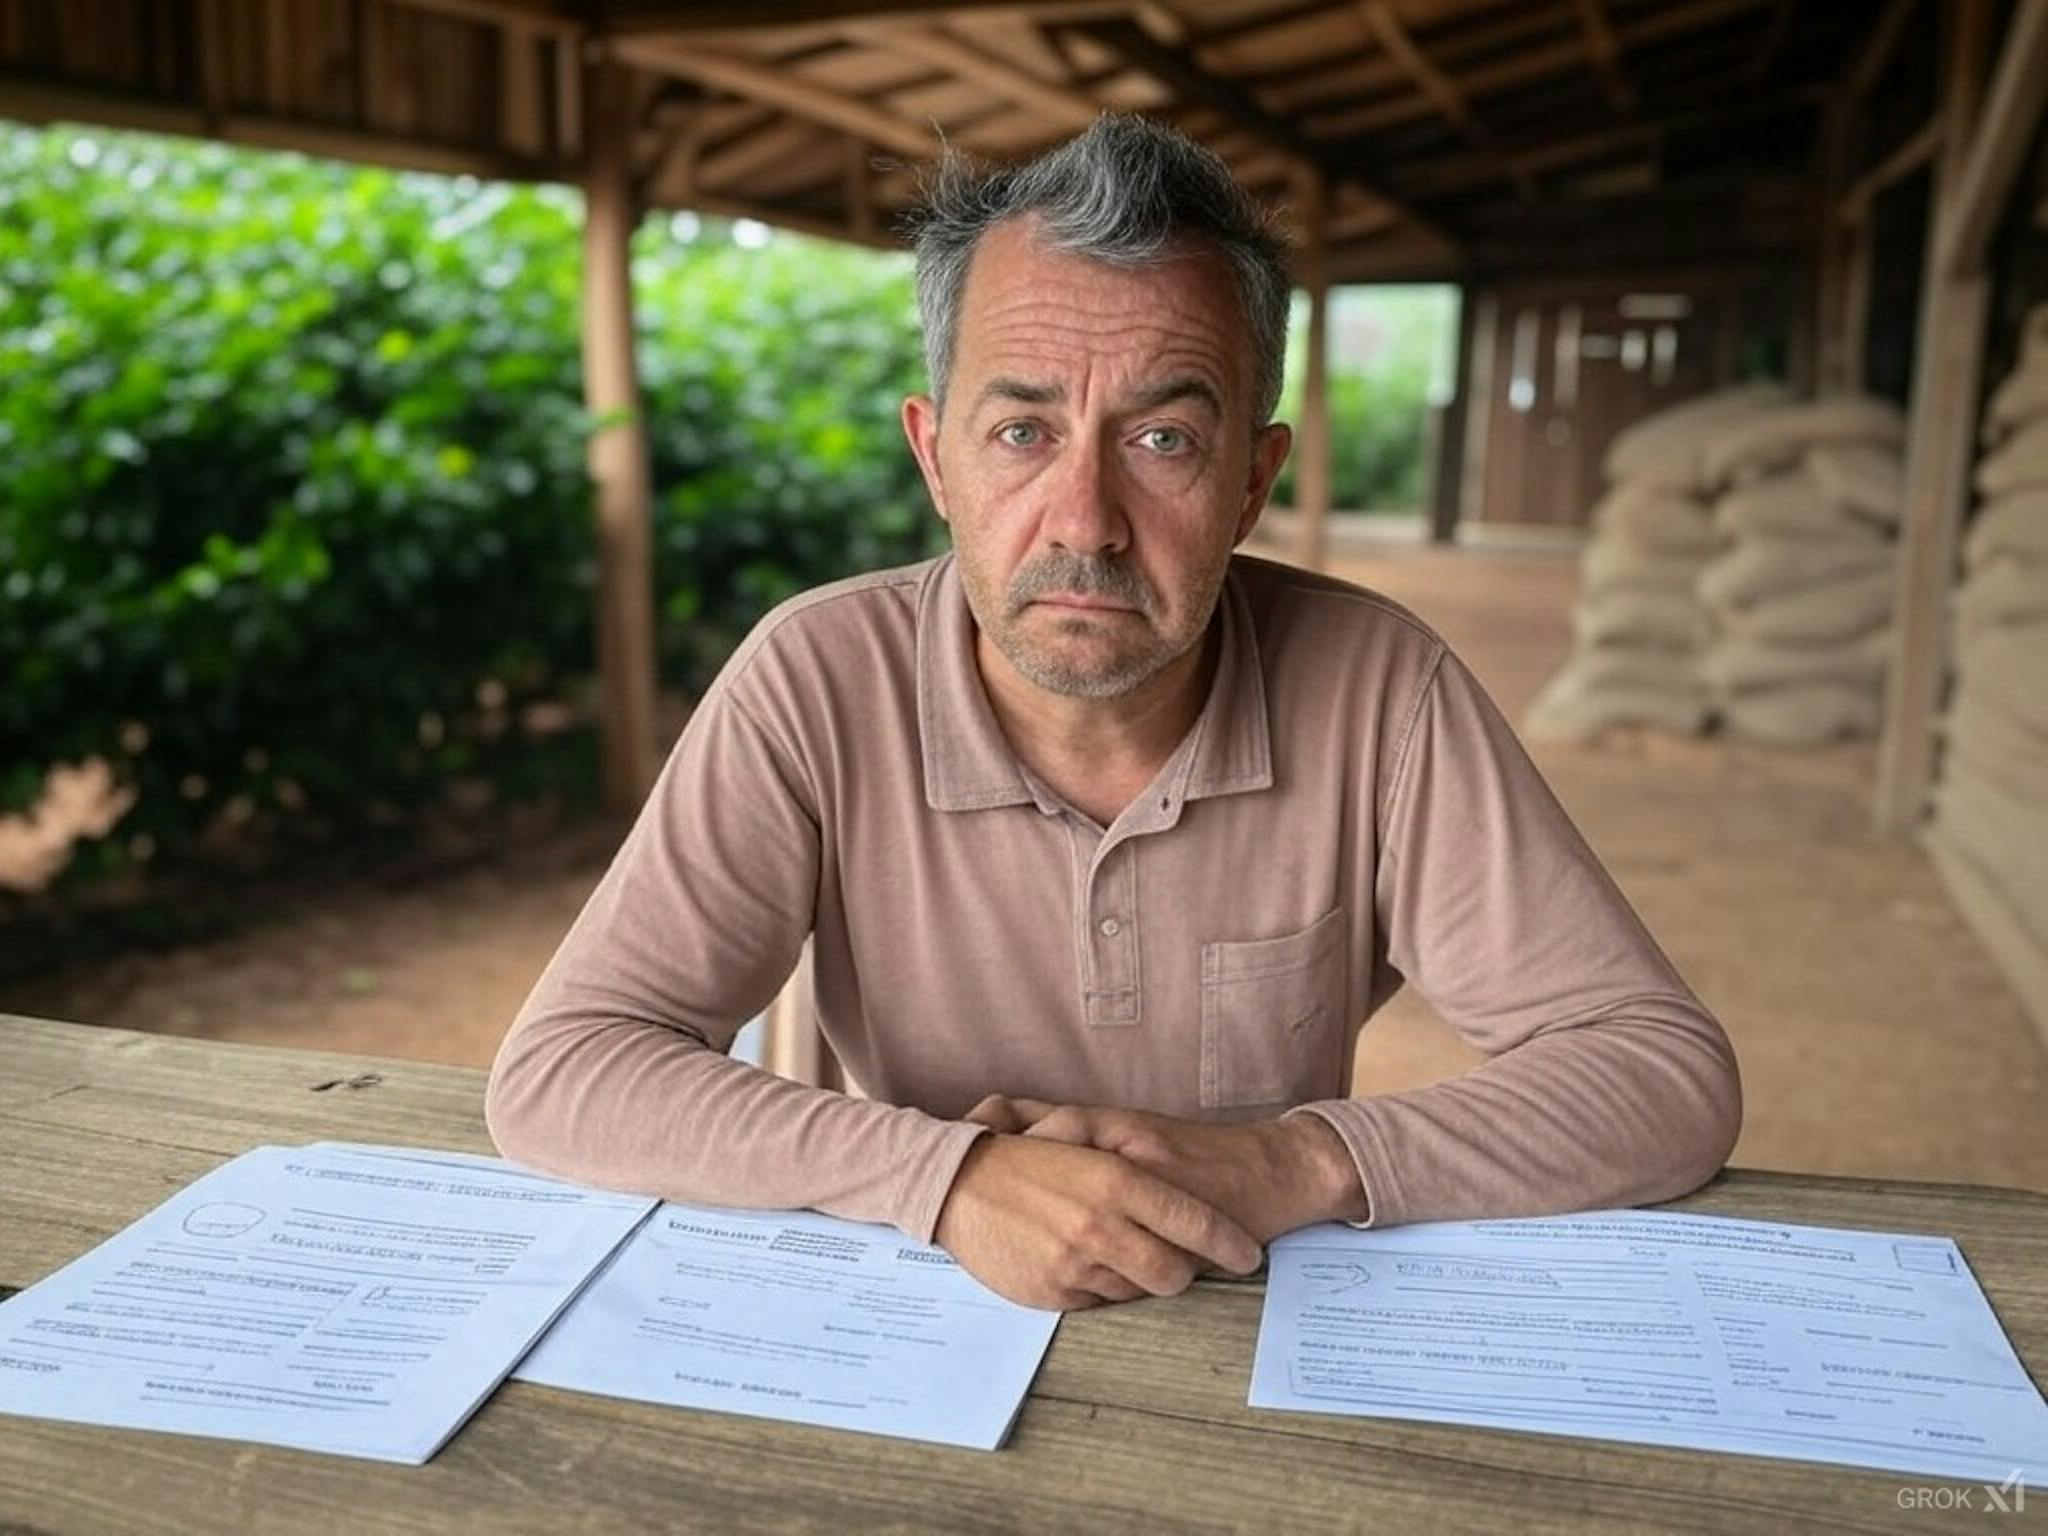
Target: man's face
[(1096, 459)]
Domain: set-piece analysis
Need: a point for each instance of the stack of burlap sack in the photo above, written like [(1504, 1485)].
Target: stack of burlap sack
[(1991, 800), (1639, 631), (1800, 596)]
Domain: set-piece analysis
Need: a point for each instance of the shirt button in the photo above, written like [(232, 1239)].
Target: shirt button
[(1111, 927)]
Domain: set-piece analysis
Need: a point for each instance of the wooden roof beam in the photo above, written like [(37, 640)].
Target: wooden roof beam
[(1911, 154), (648, 18), (1603, 47), (512, 15), (1999, 138), (1878, 48), (1533, 64), (1068, 107), (1386, 28), (1175, 68), (782, 88)]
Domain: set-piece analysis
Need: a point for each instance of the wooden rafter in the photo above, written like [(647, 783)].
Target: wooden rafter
[(783, 88), (1366, 73), (1913, 153), (1532, 64), (1774, 39), (1438, 87), (1064, 105), (512, 15), (1175, 68), (636, 18), (1878, 48), (1998, 143), (1603, 47), (755, 152)]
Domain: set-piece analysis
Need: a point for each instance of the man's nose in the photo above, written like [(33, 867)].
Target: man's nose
[(1085, 514)]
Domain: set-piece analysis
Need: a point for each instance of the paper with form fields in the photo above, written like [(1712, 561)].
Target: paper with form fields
[(1872, 1349), (355, 1300), (797, 1316)]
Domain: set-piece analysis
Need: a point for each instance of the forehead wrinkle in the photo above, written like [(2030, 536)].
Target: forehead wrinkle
[(1033, 362)]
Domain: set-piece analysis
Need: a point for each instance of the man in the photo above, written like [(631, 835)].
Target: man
[(1106, 840)]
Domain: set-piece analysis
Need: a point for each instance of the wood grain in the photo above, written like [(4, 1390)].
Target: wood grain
[(1137, 1421)]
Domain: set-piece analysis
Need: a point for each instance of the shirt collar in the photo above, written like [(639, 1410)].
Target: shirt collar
[(968, 764)]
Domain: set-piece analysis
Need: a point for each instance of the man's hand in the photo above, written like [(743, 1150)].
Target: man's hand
[(1269, 1176), (1058, 1226)]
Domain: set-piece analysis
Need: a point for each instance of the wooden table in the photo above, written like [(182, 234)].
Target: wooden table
[(1137, 1421)]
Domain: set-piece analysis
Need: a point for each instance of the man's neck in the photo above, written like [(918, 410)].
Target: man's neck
[(1100, 753)]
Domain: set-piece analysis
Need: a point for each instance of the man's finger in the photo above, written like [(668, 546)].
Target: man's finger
[(1057, 1122), (1147, 1263), (998, 1114), (1191, 1224), (1030, 1112)]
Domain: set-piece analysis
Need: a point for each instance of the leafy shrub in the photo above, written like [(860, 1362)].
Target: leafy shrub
[(1390, 347), (294, 516)]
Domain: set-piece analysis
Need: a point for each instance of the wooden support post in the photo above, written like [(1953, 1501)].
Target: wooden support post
[(1941, 443), (618, 444), (1312, 447), (1476, 384), (1447, 479)]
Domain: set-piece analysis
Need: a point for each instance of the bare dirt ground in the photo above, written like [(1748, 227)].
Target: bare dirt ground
[(1875, 1036)]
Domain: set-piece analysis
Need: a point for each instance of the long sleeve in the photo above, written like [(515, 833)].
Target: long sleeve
[(615, 1071), (1608, 1082)]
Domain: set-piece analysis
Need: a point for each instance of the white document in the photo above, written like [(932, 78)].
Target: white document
[(354, 1300), (802, 1317), (1872, 1349)]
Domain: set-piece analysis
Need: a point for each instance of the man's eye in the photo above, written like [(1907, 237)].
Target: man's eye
[(1018, 434), (1169, 440)]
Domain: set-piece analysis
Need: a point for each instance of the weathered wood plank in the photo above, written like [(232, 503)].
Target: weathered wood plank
[(1137, 1421)]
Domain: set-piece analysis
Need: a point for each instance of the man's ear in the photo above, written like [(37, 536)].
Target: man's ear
[(1269, 451), (921, 427)]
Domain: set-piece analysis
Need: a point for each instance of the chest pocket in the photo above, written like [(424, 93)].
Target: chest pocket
[(1273, 1017)]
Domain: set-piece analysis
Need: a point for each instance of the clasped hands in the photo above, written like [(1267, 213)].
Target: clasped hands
[(1068, 1206)]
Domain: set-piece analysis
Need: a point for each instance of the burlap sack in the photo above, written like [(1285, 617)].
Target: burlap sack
[(2013, 526), (1805, 715), (1733, 666), (2024, 394), (1667, 619), (2022, 398), (1568, 710), (1655, 518), (1759, 569), (2020, 462), (1822, 614), (1993, 740), (2001, 592), (2004, 834), (1791, 505), (1778, 437), (1664, 449), (1615, 565), (1626, 667), (1859, 478), (2007, 665)]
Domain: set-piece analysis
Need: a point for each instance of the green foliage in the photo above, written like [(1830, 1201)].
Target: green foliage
[(295, 515), (1390, 359)]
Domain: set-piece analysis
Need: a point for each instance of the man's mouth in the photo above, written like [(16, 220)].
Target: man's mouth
[(1083, 601)]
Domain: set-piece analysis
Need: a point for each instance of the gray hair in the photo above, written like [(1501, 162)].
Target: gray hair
[(1128, 192)]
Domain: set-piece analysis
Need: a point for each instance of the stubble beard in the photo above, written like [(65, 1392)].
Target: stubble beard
[(1059, 670)]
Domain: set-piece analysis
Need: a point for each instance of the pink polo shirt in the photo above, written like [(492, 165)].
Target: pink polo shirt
[(1349, 811)]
